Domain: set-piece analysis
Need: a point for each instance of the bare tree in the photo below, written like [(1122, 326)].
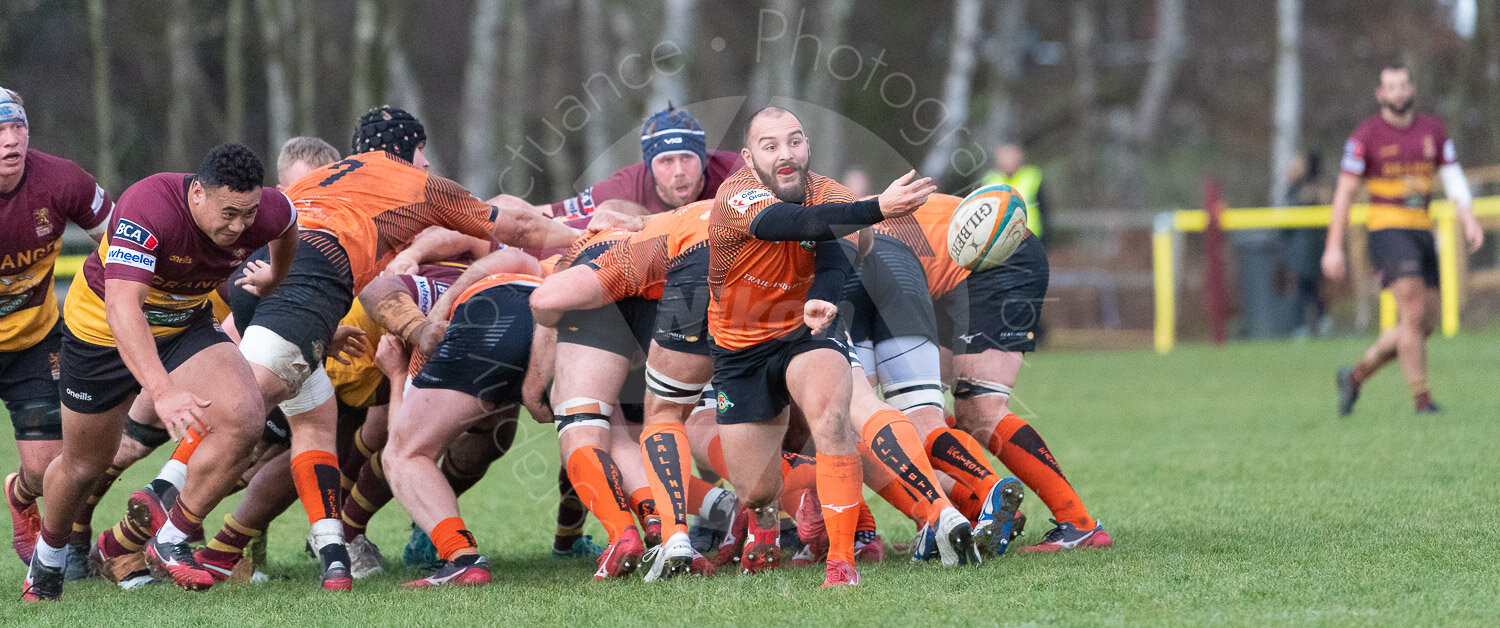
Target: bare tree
[(401, 85), (478, 139), (596, 52), (1004, 54), (1084, 37), (362, 88), (104, 131), (306, 28), (822, 90), (180, 99), (1287, 116), (1487, 28), (274, 15), (679, 24), (234, 69), (1166, 59), (957, 85)]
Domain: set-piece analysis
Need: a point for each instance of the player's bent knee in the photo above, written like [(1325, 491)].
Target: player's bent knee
[(673, 390), (280, 356), (36, 419), (315, 391)]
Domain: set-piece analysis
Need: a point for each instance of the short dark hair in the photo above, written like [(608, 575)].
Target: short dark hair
[(766, 112), (232, 166)]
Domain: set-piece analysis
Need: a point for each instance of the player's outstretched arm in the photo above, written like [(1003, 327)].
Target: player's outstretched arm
[(179, 409), (576, 288), (904, 195), (1333, 247), (530, 230)]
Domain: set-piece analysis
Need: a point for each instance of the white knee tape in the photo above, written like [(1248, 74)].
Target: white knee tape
[(909, 395), (964, 388), (582, 405), (678, 392), (707, 400), (316, 390), (268, 349)]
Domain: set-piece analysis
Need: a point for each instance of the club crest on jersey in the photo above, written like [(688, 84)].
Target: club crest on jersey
[(724, 403), (742, 201), (43, 223), (131, 232)]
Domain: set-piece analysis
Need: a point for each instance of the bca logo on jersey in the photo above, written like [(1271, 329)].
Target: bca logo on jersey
[(742, 201), (132, 232)]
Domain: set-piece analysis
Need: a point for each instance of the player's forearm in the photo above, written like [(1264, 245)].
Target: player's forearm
[(829, 221), (831, 270), (440, 243), (1457, 188), (1343, 202), (136, 344), (532, 231)]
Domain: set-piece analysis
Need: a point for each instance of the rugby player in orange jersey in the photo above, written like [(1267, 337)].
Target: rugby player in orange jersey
[(39, 194), (358, 214), (140, 319), (986, 322), (1398, 151), (666, 262), (775, 271)]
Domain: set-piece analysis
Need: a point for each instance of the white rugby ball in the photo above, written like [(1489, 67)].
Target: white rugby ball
[(987, 227)]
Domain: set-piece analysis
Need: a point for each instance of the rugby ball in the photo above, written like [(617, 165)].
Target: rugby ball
[(987, 227)]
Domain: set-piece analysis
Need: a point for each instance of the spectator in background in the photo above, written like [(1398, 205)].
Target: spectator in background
[(1011, 169), (1303, 249)]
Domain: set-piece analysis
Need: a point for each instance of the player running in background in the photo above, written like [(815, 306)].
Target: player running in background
[(358, 213), (39, 194), (775, 274), (1397, 151), (987, 321), (140, 320)]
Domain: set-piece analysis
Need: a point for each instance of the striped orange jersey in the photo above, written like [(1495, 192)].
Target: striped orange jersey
[(490, 281), (588, 247), (1398, 165), (925, 231), (758, 286), (637, 266), (375, 204)]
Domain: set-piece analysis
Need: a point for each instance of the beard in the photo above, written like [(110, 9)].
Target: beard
[(1398, 108), (795, 192)]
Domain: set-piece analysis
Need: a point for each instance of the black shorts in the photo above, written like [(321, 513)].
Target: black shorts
[(487, 347), (682, 311), (999, 308), (750, 383), (306, 308), (621, 328), (95, 378), (1397, 253), (888, 297), (29, 378)]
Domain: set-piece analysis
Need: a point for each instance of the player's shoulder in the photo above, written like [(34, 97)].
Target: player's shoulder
[(1427, 122), (741, 190), (53, 167), (162, 186), (1370, 124), (821, 189)]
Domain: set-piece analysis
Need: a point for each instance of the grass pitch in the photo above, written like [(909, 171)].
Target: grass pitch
[(1233, 493)]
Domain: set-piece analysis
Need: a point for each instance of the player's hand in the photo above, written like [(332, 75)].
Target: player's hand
[(604, 219), (391, 357), (1333, 263), (818, 315), (348, 344), (905, 195), (1473, 232), (506, 201), (258, 278), (534, 399), (403, 264), (181, 411), (428, 335)]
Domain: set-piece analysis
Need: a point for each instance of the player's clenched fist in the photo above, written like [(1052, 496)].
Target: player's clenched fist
[(818, 315), (905, 195)]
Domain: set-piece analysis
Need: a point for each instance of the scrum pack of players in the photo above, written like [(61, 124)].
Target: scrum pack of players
[(371, 331)]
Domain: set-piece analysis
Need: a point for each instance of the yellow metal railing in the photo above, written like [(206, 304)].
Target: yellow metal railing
[(1169, 225)]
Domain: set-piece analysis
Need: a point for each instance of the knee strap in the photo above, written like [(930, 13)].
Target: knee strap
[(964, 388), (149, 435), (566, 422), (36, 419), (669, 389)]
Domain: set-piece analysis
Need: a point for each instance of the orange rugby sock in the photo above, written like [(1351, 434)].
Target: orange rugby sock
[(668, 460), (798, 473), (966, 501), (598, 483), (840, 491), (698, 489), (643, 505), (316, 476), (957, 454), (187, 446), (1023, 451), (893, 442), (716, 457), (453, 539)]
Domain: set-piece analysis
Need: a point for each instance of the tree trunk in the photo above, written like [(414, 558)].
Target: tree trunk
[(603, 111), (1084, 37), (678, 27), (234, 71), (307, 67), (957, 86), (180, 99), (1487, 26), (1166, 60), (104, 131), (401, 84), (1287, 116), (479, 154), (518, 73), (362, 87), (822, 90), (278, 89), (1004, 52)]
